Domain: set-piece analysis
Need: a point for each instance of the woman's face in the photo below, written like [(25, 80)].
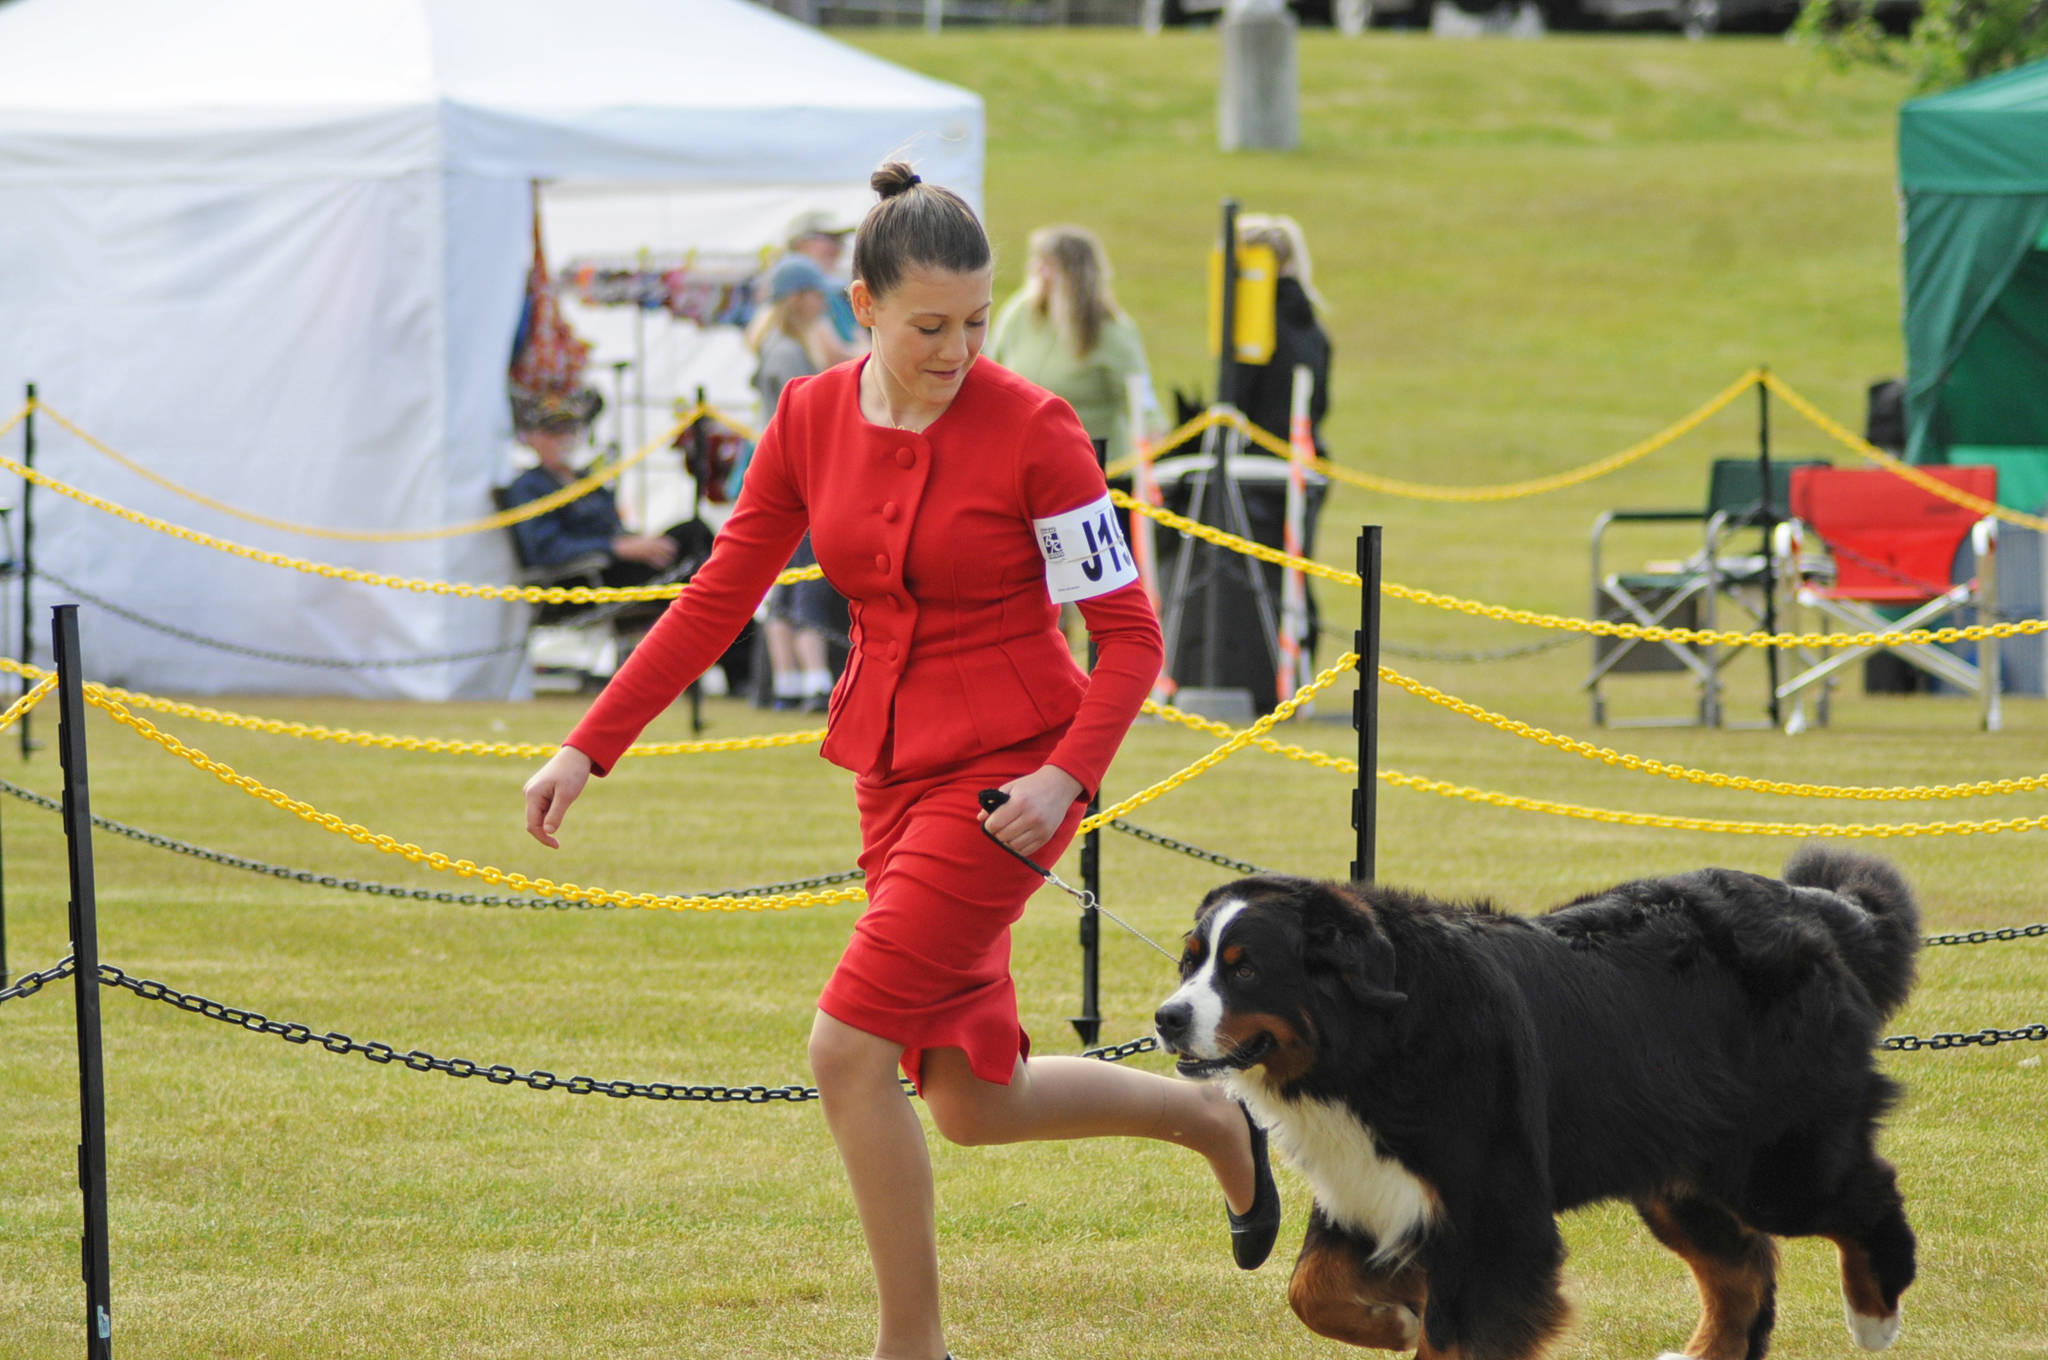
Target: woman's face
[(927, 331), (807, 306)]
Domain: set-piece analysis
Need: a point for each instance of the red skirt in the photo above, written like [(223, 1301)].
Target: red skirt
[(929, 962)]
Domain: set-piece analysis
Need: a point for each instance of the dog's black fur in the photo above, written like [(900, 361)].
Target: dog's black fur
[(1700, 1045)]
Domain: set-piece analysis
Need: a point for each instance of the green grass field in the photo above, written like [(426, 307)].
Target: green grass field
[(1535, 254)]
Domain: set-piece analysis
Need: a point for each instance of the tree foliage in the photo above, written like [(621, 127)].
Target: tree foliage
[(1949, 43)]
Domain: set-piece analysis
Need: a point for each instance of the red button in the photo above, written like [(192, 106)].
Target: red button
[(894, 651), (889, 512), (881, 561), (905, 458)]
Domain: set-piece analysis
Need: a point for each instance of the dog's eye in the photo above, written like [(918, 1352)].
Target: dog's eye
[(1244, 972)]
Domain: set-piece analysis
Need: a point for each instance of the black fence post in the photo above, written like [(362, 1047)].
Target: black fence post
[(1365, 708), (1088, 1024), (28, 557), (85, 953), (1769, 514)]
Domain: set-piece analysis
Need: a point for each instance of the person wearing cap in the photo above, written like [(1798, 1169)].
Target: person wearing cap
[(789, 338), (821, 238)]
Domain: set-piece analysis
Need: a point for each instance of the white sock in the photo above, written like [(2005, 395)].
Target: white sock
[(817, 682), (789, 686)]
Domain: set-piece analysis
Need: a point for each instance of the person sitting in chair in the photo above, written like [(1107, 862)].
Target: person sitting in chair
[(553, 427)]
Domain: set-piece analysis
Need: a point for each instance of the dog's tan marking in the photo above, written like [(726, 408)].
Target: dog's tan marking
[(1233, 954), (1291, 1055), (1732, 1293), (1336, 1296)]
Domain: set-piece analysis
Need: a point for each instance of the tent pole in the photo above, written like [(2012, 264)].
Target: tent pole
[(28, 556)]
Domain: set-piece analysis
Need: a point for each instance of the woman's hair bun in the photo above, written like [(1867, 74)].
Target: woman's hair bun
[(895, 177)]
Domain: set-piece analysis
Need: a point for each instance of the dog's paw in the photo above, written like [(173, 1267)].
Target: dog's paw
[(1873, 1333)]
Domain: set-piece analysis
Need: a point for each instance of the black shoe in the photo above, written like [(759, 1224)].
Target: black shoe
[(1253, 1232), (821, 703)]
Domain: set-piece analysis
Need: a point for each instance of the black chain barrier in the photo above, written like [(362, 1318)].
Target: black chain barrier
[(1166, 842), (2002, 935), (319, 880), (1887, 569), (262, 654), (1983, 1038), (498, 1074)]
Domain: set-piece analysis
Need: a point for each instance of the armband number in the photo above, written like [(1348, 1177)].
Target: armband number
[(1085, 553)]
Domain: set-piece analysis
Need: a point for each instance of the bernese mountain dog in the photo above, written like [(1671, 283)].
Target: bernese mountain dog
[(1449, 1078)]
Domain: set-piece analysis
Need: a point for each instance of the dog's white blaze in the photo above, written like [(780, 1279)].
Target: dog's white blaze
[(1199, 992), (1873, 1333), (1357, 1187)]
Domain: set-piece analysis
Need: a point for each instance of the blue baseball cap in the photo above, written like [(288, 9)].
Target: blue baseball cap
[(794, 274)]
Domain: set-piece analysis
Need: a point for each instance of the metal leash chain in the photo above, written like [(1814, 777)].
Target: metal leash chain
[(990, 800)]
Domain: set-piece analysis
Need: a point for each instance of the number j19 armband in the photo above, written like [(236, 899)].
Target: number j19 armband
[(1085, 553)]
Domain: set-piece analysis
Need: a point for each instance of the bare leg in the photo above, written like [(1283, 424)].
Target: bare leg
[(1050, 1098), (882, 1146), (808, 649)]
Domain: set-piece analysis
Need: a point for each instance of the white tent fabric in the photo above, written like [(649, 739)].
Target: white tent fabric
[(275, 253)]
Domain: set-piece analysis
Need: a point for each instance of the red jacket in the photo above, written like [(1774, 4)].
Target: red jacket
[(956, 643)]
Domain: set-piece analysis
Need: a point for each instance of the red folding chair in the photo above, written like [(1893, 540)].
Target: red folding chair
[(1891, 545)]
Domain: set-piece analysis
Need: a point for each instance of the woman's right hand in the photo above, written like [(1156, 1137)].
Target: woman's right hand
[(548, 794)]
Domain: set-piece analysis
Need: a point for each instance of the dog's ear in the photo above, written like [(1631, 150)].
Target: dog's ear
[(1342, 940)]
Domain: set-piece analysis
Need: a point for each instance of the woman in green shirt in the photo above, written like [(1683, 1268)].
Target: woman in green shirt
[(1065, 332)]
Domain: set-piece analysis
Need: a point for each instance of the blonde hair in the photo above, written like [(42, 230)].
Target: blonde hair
[(1077, 298), (780, 317), (1282, 235)]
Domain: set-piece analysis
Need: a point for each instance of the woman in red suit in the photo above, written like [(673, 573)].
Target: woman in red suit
[(956, 507)]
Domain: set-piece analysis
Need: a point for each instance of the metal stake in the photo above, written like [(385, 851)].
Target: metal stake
[(1365, 709), (85, 949)]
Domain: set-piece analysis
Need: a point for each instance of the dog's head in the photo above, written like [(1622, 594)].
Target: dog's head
[(1270, 962)]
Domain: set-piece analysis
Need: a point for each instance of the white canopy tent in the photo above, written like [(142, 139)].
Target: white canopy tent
[(276, 253)]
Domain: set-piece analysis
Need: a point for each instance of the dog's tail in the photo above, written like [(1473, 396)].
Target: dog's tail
[(1872, 915)]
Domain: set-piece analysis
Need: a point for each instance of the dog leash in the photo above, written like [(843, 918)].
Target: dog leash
[(990, 800)]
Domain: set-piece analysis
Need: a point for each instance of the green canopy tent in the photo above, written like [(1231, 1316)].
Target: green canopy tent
[(1973, 179), (1973, 173)]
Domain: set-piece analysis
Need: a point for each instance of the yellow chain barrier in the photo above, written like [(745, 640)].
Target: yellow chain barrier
[(1899, 466), (1645, 765), (532, 509), (1695, 636), (1199, 425), (1237, 742), (520, 750), (1501, 491), (1713, 824), (1219, 729), (1557, 481), (1197, 529), (434, 859), (529, 594), (27, 701), (17, 417)]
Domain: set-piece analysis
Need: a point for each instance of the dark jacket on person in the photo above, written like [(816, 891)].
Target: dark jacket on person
[(585, 525), (1265, 392)]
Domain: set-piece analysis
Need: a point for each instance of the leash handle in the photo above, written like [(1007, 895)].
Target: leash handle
[(990, 800)]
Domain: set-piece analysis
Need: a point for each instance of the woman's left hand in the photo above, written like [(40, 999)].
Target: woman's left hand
[(1038, 804)]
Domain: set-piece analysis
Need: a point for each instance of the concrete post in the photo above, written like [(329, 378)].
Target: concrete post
[(1259, 96)]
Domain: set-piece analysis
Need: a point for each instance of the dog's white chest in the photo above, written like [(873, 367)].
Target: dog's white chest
[(1356, 1187)]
